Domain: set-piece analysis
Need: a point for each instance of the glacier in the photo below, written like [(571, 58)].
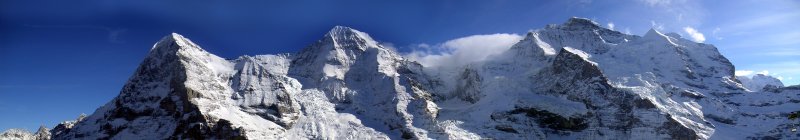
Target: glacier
[(575, 80)]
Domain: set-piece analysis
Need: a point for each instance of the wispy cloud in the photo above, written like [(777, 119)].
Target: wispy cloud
[(694, 34)]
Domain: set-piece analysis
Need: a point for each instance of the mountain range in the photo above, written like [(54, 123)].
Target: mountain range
[(575, 80)]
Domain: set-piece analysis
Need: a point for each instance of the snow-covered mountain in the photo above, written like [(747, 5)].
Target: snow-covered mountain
[(575, 80), (19, 134), (760, 82)]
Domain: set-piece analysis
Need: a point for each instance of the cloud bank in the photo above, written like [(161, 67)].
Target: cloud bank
[(462, 51)]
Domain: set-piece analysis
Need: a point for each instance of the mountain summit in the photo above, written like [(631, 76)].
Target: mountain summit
[(576, 80)]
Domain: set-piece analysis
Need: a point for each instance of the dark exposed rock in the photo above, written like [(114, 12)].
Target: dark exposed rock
[(576, 23), (468, 88), (576, 66), (643, 103), (553, 121), (720, 119), (676, 130), (506, 128), (771, 88)]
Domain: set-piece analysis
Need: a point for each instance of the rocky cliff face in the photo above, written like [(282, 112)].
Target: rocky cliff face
[(576, 80)]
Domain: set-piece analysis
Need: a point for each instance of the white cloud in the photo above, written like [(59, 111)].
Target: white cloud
[(743, 72), (764, 72), (611, 25), (694, 34), (462, 51)]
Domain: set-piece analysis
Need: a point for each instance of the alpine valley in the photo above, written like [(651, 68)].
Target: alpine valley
[(575, 80)]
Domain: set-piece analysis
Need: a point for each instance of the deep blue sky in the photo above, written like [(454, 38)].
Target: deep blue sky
[(62, 58)]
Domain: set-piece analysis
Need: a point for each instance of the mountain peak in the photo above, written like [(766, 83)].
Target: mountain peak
[(343, 37), (346, 33), (580, 20), (654, 34), (580, 23), (340, 29), (174, 42)]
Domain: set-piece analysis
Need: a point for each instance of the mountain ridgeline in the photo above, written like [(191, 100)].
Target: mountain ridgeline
[(575, 80)]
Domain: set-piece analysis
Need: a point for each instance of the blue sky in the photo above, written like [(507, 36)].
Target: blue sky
[(62, 58)]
